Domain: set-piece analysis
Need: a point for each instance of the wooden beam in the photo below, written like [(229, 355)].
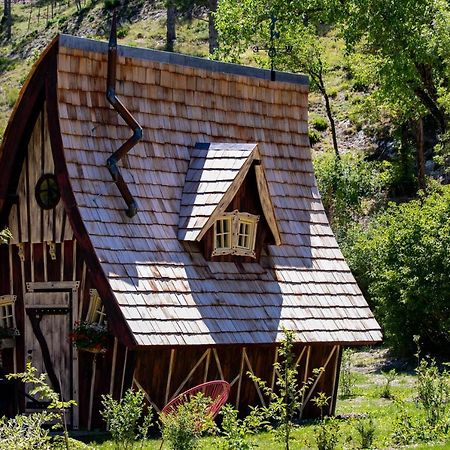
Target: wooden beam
[(169, 375), (208, 358), (190, 374), (122, 384), (258, 390), (113, 368), (311, 390), (219, 367), (241, 371), (91, 392), (147, 397)]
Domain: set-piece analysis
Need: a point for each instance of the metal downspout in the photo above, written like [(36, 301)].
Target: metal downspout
[(112, 161)]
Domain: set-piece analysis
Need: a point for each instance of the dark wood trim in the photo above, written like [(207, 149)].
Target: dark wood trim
[(336, 382), (116, 320), (21, 123)]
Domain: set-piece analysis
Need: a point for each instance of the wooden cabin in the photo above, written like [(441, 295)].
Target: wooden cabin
[(210, 241)]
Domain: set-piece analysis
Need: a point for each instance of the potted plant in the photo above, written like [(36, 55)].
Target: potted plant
[(7, 337), (90, 337)]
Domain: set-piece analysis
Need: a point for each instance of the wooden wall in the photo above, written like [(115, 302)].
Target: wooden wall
[(163, 373), (43, 250)]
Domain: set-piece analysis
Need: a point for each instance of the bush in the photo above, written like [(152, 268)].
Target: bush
[(346, 378), (183, 428), (318, 122), (126, 419), (403, 262), (365, 428), (235, 431), (327, 437)]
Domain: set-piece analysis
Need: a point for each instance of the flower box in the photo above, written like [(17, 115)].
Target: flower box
[(90, 337)]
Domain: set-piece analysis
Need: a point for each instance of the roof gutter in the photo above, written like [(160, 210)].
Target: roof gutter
[(112, 98)]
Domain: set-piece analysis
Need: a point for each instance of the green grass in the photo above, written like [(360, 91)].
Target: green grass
[(365, 401)]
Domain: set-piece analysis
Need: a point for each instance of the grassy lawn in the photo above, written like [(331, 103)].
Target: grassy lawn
[(368, 382)]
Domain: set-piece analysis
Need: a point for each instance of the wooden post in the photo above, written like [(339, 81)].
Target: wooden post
[(241, 371), (169, 375), (91, 392), (123, 373), (113, 368)]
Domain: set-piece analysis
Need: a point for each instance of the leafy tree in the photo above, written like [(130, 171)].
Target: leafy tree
[(400, 50), (403, 262), (288, 31)]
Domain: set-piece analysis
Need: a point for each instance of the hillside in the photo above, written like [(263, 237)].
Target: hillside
[(142, 24)]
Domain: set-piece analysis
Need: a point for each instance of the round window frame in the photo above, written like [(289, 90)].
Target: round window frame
[(46, 177)]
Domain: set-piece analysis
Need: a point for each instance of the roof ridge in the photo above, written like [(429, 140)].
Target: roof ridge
[(92, 45)]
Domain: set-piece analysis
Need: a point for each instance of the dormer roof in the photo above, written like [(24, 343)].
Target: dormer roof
[(215, 174)]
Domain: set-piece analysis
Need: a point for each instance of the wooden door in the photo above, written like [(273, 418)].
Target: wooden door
[(47, 327)]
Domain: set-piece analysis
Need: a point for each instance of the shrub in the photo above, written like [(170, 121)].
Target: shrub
[(327, 437), (433, 392), (235, 431), (314, 136), (29, 430), (365, 428), (183, 428), (402, 260), (346, 378), (389, 377), (286, 400), (318, 122), (126, 419)]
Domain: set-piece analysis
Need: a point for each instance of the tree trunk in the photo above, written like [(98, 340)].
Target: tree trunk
[(420, 157), (332, 124), (213, 42), (170, 26), (7, 18), (432, 107)]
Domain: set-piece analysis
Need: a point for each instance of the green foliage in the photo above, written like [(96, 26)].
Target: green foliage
[(365, 428), (5, 236), (183, 428), (399, 54), (403, 261), (389, 377), (327, 434), (349, 186), (433, 393), (318, 122), (126, 419), (346, 377), (314, 136), (236, 432), (27, 432), (285, 401), (111, 4)]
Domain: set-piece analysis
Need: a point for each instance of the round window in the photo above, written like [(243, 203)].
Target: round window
[(47, 191)]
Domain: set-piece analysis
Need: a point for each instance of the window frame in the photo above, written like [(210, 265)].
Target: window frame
[(5, 302), (237, 219), (96, 313)]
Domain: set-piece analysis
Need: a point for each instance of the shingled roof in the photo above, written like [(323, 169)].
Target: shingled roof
[(167, 292)]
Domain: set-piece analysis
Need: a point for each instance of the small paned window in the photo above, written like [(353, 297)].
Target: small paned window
[(96, 313), (222, 234), (7, 317), (47, 191), (235, 234)]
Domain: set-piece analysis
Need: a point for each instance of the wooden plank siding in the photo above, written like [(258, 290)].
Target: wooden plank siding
[(191, 363), (43, 251)]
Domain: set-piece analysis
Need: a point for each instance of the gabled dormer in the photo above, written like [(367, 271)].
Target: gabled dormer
[(226, 205)]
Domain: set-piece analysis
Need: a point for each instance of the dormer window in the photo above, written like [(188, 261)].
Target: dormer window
[(235, 234)]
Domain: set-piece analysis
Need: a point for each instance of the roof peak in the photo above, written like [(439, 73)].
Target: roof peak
[(92, 45)]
